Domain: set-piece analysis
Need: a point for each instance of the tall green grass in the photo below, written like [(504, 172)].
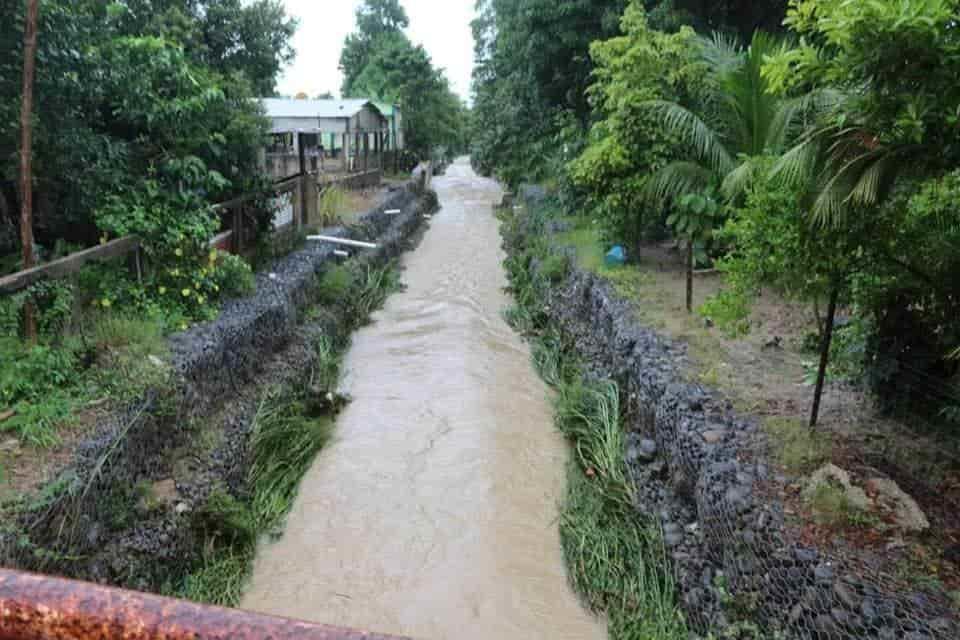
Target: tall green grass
[(615, 556), (358, 289), (332, 205), (288, 434), (290, 427)]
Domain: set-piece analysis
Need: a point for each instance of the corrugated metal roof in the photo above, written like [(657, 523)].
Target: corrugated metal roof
[(292, 108), (385, 108)]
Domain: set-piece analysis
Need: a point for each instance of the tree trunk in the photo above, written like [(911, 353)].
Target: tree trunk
[(816, 316), (26, 159), (690, 277), (824, 354)]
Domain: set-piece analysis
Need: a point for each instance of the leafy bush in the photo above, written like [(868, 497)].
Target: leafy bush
[(554, 267), (233, 276), (53, 301), (335, 285), (35, 383)]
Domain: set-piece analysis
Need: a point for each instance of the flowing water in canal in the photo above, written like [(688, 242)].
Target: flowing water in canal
[(434, 511)]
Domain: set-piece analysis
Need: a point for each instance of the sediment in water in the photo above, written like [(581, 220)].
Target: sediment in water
[(129, 509)]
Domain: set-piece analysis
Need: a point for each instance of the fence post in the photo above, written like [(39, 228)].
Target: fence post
[(237, 225)]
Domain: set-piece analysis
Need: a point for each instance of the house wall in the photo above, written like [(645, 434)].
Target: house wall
[(280, 125), (333, 125), (369, 120)]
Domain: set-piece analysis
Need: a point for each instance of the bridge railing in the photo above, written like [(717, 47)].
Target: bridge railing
[(35, 607)]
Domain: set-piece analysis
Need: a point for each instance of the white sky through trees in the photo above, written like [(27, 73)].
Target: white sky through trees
[(441, 26)]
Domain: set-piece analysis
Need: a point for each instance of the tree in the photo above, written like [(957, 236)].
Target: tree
[(26, 157), (741, 18), (81, 151), (893, 133), (380, 62), (774, 245), (627, 143), (230, 36), (250, 38), (530, 79), (741, 123), (736, 122), (379, 24)]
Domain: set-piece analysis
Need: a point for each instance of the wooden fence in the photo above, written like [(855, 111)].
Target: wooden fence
[(295, 202)]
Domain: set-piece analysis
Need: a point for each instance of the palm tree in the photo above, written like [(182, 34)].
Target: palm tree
[(738, 122), (741, 121)]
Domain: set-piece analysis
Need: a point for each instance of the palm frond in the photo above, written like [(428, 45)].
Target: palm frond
[(841, 176), (798, 165), (872, 183), (744, 108), (674, 180), (693, 131), (722, 52), (737, 181), (829, 206), (795, 116)]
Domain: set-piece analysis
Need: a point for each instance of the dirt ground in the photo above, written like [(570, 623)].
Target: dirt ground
[(24, 467), (768, 375)]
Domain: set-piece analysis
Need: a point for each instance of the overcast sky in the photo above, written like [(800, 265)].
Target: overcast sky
[(441, 26)]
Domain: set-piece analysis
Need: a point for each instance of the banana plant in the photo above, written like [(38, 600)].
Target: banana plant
[(694, 218)]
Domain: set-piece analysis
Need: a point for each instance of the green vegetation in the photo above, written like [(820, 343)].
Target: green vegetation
[(379, 61), (290, 428), (534, 68), (832, 507), (820, 163), (615, 556), (799, 450), (107, 356), (144, 118), (287, 436), (359, 290), (331, 207), (90, 351)]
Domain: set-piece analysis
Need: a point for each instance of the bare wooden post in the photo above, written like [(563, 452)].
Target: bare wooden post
[(302, 218), (824, 354), (237, 229), (26, 159), (690, 276)]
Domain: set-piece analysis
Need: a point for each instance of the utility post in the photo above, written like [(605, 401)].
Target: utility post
[(26, 159)]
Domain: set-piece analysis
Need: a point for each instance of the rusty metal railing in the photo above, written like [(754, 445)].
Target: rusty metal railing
[(34, 607)]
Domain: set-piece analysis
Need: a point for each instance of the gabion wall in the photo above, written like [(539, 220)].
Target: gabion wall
[(697, 470), (91, 523)]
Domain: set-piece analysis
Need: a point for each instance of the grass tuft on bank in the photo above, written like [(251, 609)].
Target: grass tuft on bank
[(291, 426), (615, 557)]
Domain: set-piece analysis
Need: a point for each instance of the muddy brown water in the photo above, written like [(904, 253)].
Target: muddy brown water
[(434, 511)]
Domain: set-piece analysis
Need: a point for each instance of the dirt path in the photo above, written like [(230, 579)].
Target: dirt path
[(433, 514)]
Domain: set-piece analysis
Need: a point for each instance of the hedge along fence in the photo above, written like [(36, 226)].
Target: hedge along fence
[(294, 203), (740, 569), (104, 518)]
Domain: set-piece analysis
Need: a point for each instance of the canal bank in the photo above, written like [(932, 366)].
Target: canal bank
[(433, 513), (698, 475)]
